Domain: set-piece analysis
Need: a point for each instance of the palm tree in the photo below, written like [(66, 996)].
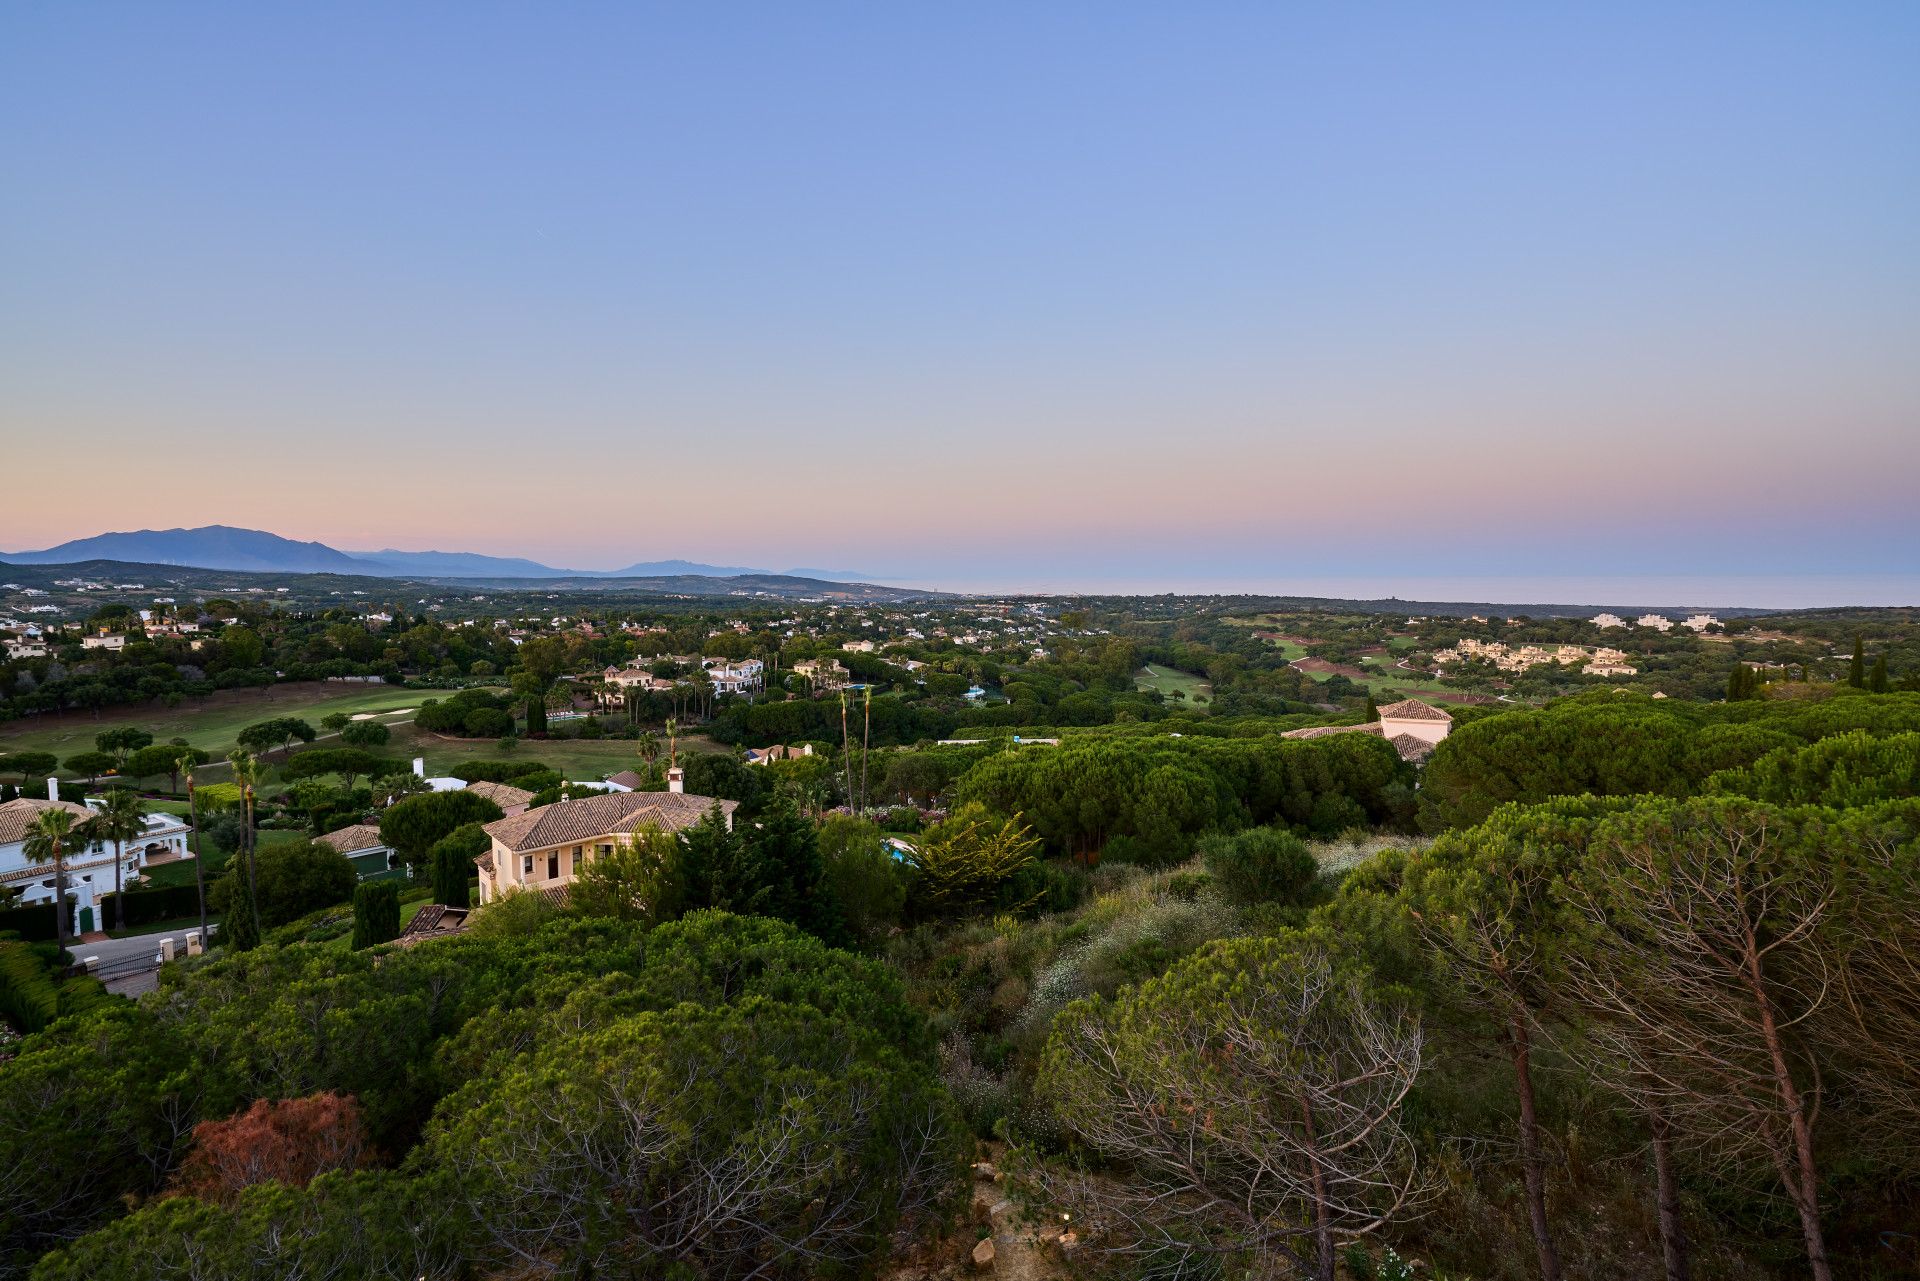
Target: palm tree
[(649, 748), (673, 746), (199, 868), (119, 819), (48, 841), (246, 772)]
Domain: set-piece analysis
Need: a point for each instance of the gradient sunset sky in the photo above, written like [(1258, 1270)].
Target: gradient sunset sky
[(1594, 302)]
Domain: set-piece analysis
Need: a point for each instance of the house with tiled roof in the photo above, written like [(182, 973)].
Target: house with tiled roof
[(1411, 726), (544, 849), (363, 847), (511, 800)]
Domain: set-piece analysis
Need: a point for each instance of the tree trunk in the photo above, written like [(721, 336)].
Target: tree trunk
[(199, 871), (253, 883), (1532, 1165), (1801, 1176), (1673, 1231)]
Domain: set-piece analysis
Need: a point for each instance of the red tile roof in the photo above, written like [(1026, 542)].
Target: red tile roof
[(1412, 709), (607, 814)]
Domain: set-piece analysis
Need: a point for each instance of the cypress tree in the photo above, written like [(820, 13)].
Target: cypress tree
[(1879, 682), (1373, 711), (1857, 674), (450, 865), (376, 913), (536, 715)]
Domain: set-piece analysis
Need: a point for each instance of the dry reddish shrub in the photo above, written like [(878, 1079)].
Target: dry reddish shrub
[(288, 1141)]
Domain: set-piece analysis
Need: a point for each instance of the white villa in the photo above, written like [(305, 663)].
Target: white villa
[(1699, 622), (1608, 620), (90, 864), (823, 673), (1658, 622), (544, 849), (1413, 727)]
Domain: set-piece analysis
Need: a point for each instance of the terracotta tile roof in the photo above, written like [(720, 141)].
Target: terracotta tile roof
[(558, 895), (359, 836), (1321, 731), (626, 778), (566, 822), (501, 794), (17, 816), (1412, 709), (435, 920), (485, 863), (1411, 748)]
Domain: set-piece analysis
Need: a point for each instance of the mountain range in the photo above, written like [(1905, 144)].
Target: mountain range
[(257, 551)]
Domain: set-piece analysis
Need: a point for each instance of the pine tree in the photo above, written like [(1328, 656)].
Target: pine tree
[(1879, 682), (1857, 674)]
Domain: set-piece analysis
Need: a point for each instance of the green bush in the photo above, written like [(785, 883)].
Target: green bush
[(1262, 865)]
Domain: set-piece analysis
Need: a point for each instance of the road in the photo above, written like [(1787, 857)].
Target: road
[(125, 954)]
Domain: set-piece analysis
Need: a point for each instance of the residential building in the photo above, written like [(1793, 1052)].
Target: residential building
[(1658, 622), (26, 649), (545, 849), (106, 640), (511, 800), (746, 676), (361, 843), (778, 752), (1699, 622), (1411, 726), (89, 864), (824, 674), (1608, 620)]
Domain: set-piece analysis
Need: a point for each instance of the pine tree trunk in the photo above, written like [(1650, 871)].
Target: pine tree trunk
[(1673, 1231), (1532, 1164), (1801, 1176)]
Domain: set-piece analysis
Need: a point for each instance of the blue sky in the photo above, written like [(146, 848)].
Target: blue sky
[(1096, 295)]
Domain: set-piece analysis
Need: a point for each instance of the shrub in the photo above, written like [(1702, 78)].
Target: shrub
[(287, 1141), (1264, 865)]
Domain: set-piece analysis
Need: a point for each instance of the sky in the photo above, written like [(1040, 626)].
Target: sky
[(1379, 298)]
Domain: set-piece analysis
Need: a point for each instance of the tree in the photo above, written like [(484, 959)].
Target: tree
[(415, 824), (365, 734), (968, 864), (764, 1139), (50, 838), (1706, 951), (1372, 709), (121, 741), (1486, 905), (294, 879), (376, 913), (246, 776), (281, 731), (285, 1141), (636, 881), (165, 758), (1250, 1099), (90, 765), (26, 765), (1879, 682), (334, 722), (719, 868), (1857, 669), (120, 818), (452, 857), (867, 882)]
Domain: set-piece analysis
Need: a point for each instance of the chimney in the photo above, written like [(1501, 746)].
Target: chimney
[(53, 788), (676, 779), (419, 767)]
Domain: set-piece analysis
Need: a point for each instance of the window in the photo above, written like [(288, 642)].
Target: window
[(553, 866), (526, 866)]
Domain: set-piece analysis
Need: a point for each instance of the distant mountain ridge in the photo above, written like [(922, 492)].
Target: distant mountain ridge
[(257, 551)]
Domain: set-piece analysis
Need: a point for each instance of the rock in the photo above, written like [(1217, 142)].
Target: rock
[(984, 1170), (983, 1255), (1069, 1241)]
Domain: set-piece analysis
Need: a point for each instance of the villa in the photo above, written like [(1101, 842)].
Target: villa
[(1413, 728), (545, 849), (89, 864)]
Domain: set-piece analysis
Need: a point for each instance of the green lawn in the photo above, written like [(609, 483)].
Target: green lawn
[(212, 722), (1168, 680), (573, 758)]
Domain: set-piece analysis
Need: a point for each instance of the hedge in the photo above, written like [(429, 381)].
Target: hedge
[(145, 906), (36, 922)]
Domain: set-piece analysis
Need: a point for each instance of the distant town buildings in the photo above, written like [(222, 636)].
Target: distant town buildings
[(1608, 620), (1600, 660), (1658, 622)]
